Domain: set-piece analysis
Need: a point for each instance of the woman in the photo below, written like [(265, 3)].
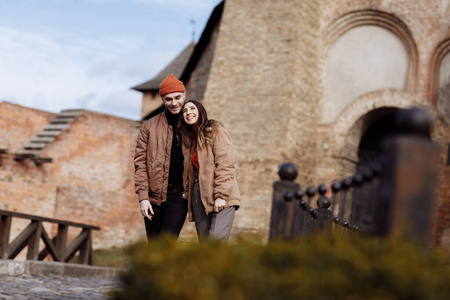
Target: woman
[(209, 177)]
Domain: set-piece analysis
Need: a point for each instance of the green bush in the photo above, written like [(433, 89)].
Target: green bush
[(113, 258), (319, 267)]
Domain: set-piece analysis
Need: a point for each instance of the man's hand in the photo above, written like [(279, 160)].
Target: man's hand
[(219, 204), (145, 208)]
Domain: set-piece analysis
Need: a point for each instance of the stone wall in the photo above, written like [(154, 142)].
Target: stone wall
[(91, 179), (267, 84), (93, 171), (422, 26), (263, 67)]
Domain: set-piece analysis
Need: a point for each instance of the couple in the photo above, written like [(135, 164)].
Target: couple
[(185, 163)]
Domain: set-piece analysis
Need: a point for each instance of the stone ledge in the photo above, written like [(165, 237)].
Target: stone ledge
[(14, 268)]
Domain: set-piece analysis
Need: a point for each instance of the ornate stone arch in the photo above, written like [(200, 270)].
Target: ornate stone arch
[(353, 19), (356, 118), (440, 51)]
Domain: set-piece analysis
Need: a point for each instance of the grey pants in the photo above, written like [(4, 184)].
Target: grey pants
[(214, 225)]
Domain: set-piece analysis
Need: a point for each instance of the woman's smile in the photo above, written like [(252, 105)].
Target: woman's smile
[(190, 113)]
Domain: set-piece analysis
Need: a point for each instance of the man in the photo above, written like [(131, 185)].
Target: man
[(158, 165)]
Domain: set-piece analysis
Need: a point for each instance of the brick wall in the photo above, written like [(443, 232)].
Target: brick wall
[(94, 176), (91, 179), (266, 85), (18, 124), (263, 67), (442, 220)]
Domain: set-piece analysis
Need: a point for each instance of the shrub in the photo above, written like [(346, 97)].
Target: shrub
[(316, 267), (113, 258)]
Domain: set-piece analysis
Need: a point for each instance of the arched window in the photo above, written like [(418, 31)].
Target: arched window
[(443, 93), (367, 51), (364, 59)]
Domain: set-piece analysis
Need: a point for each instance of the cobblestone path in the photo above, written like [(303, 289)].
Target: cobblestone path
[(55, 287)]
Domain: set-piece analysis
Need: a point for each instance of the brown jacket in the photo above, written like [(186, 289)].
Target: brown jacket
[(217, 174), (152, 159)]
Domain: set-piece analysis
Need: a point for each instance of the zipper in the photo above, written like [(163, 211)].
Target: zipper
[(164, 166)]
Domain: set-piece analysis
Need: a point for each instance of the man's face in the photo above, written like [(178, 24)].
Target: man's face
[(174, 102)]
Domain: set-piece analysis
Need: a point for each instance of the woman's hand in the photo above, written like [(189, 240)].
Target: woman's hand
[(219, 204)]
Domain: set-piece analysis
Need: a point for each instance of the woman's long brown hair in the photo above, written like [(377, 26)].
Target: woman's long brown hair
[(202, 132)]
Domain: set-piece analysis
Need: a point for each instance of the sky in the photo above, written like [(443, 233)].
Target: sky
[(87, 54)]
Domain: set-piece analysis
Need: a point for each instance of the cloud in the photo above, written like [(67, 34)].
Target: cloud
[(104, 66), (199, 6), (42, 71), (192, 6), (149, 66), (120, 103), (85, 100), (54, 65)]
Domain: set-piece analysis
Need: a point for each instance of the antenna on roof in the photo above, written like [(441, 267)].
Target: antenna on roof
[(193, 29)]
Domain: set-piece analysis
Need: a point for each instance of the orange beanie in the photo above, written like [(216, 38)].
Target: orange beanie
[(171, 85)]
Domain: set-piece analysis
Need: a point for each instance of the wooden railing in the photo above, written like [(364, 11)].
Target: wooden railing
[(55, 247)]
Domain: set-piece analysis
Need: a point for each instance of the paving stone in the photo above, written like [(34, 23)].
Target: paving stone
[(55, 287)]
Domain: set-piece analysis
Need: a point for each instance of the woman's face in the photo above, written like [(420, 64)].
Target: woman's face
[(190, 113)]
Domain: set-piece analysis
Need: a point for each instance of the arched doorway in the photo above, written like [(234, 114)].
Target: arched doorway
[(374, 127), (379, 124)]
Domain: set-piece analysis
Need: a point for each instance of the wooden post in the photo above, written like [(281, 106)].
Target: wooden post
[(33, 242), (5, 230), (61, 240), (324, 215), (283, 205), (409, 178), (85, 248)]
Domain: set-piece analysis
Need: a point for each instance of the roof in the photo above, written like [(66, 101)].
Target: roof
[(176, 67), (192, 60), (203, 42)]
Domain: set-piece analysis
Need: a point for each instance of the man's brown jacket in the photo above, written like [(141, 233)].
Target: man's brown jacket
[(152, 159)]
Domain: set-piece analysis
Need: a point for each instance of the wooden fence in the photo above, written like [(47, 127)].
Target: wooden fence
[(393, 195), (35, 231)]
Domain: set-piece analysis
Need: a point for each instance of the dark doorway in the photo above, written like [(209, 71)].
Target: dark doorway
[(377, 130), (377, 125)]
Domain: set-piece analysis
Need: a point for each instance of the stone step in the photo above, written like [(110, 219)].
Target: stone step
[(73, 110), (28, 153), (61, 120), (70, 113), (42, 139), (34, 145), (51, 127), (41, 160), (48, 133)]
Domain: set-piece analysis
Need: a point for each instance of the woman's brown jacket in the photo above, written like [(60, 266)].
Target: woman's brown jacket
[(217, 173)]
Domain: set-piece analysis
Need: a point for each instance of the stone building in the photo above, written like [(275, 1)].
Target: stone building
[(316, 82), (75, 166)]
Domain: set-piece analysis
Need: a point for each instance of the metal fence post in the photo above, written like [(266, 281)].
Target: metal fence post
[(283, 205)]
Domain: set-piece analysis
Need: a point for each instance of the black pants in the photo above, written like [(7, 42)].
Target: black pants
[(169, 217)]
